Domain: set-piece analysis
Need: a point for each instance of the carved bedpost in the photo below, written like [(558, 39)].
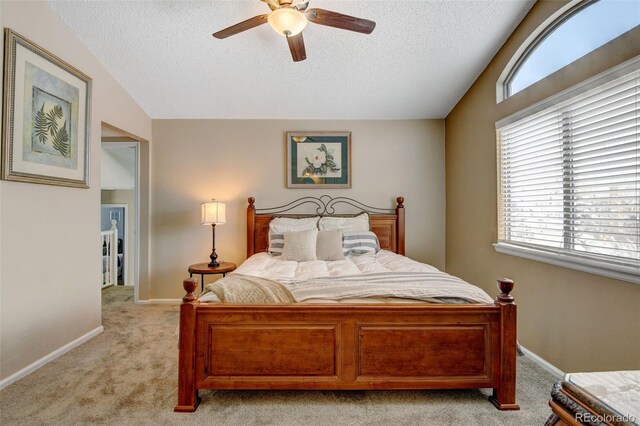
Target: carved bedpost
[(251, 226), (187, 392), (504, 394), (400, 224)]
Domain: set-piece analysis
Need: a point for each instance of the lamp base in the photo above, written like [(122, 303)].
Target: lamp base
[(214, 259), (213, 256)]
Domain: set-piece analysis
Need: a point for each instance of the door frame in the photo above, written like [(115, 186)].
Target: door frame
[(126, 143), (111, 133)]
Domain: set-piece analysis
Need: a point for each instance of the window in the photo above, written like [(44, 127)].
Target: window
[(577, 32), (569, 178)]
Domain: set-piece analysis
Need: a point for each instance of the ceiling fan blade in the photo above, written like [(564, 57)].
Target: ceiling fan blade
[(273, 4), (296, 46), (242, 26), (338, 20)]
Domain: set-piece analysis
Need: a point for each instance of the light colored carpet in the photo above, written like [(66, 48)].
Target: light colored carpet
[(128, 376)]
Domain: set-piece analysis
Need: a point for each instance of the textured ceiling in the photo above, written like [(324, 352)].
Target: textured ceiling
[(418, 62)]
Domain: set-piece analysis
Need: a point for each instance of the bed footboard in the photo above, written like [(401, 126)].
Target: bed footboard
[(382, 346)]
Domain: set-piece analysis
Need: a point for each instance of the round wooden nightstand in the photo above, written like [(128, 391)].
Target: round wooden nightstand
[(204, 269)]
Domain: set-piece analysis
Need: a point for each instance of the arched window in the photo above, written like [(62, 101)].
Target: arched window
[(569, 164), (578, 31)]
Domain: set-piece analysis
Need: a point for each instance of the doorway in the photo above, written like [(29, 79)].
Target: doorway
[(119, 202), (124, 197)]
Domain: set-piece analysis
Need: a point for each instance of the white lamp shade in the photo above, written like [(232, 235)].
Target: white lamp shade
[(287, 21), (212, 212)]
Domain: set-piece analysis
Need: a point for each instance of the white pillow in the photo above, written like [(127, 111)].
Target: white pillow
[(345, 224), (300, 246), (279, 225)]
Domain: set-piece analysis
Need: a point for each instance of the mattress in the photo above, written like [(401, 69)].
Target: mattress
[(274, 268)]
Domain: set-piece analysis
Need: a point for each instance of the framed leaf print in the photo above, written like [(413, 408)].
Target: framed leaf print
[(45, 136), (318, 159)]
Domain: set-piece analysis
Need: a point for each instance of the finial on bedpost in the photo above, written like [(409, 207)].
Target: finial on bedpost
[(400, 226), (190, 286), (505, 285), (251, 227)]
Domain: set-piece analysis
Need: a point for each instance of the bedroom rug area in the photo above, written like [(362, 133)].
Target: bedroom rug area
[(127, 375)]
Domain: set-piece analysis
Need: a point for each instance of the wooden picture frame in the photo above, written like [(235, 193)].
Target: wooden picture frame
[(318, 160), (46, 116)]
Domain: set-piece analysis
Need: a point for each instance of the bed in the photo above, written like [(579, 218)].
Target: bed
[(347, 346)]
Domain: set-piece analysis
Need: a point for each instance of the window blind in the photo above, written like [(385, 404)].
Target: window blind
[(569, 176)]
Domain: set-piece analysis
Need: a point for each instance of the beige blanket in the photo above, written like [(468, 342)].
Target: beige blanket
[(236, 288)]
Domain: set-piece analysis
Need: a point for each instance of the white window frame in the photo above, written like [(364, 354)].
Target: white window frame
[(520, 55), (580, 262)]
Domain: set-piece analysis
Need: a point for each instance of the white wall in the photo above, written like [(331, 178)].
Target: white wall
[(118, 167), (48, 233), (195, 160)]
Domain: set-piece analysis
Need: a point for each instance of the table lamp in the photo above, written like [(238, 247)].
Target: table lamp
[(213, 213)]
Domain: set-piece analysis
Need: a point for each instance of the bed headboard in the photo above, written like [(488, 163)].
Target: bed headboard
[(387, 224)]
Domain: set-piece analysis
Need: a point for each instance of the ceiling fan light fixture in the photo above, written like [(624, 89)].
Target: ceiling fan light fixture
[(287, 21)]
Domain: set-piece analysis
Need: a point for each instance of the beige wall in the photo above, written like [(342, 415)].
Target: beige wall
[(576, 321), (48, 233), (127, 197), (194, 160)]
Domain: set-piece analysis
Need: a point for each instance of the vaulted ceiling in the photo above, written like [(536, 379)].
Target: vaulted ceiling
[(418, 62)]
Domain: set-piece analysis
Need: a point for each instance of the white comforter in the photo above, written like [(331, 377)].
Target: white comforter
[(274, 268)]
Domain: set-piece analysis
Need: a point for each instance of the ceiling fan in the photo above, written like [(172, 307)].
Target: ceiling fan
[(289, 19)]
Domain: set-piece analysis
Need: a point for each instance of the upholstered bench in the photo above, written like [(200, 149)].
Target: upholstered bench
[(606, 398)]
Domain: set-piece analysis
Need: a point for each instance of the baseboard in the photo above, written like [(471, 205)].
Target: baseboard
[(159, 301), (48, 358), (543, 363)]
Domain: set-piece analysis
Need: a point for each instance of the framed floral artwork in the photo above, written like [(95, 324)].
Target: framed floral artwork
[(318, 159), (45, 136)]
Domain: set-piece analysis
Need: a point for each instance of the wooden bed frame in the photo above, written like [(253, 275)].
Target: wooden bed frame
[(345, 346)]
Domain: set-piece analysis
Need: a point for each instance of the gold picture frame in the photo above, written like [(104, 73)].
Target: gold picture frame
[(318, 160), (46, 116)]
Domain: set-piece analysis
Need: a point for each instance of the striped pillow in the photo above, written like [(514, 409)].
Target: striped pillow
[(359, 242), (276, 244)]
